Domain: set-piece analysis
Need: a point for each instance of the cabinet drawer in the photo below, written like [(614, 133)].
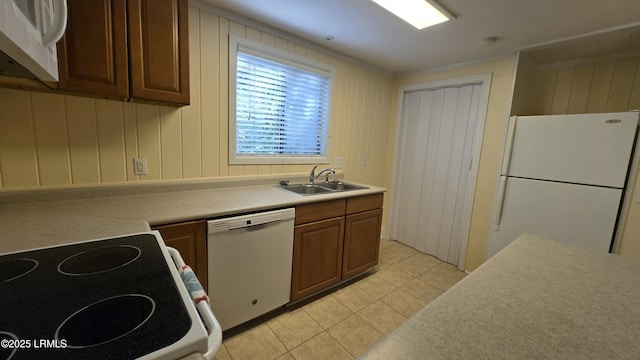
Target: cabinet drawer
[(319, 211), (364, 203)]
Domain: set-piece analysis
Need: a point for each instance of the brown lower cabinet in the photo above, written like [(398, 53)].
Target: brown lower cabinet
[(333, 241), (190, 239), (317, 256), (362, 242)]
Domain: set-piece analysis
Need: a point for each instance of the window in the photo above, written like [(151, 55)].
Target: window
[(279, 106)]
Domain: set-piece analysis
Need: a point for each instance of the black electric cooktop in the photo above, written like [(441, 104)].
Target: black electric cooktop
[(106, 299)]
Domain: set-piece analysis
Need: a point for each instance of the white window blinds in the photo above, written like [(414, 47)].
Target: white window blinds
[(281, 108)]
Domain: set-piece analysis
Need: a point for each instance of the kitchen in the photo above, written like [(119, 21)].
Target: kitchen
[(52, 141)]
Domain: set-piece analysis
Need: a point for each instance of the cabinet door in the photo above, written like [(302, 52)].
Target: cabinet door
[(317, 256), (190, 239), (159, 50), (361, 242), (92, 55)]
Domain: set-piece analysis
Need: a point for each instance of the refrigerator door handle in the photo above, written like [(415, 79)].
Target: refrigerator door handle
[(508, 146), (497, 216)]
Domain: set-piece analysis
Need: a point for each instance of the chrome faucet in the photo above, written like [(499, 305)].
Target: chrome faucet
[(313, 176)]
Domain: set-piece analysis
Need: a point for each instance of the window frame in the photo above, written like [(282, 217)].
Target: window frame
[(273, 54)]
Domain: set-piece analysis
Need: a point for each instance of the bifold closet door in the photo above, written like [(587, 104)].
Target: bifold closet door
[(436, 143)]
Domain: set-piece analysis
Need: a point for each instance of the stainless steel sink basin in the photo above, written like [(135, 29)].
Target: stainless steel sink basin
[(322, 188), (340, 186), (307, 189)]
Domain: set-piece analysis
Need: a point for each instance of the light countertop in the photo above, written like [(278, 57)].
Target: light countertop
[(55, 221), (536, 299)]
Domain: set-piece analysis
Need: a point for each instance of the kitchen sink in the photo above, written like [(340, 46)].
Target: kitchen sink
[(307, 189), (341, 186), (322, 188)]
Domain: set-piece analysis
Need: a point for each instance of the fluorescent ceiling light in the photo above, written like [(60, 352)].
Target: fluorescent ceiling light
[(418, 13)]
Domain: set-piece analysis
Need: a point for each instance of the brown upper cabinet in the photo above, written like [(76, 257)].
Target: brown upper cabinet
[(127, 49)]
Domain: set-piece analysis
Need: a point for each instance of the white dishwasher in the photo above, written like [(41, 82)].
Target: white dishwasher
[(249, 264)]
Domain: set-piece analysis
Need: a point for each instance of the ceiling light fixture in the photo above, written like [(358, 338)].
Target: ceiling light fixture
[(418, 13)]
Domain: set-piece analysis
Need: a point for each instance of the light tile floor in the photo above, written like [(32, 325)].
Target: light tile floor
[(347, 321)]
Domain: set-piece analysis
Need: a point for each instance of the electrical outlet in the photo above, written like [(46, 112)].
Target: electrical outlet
[(365, 160), (338, 162), (140, 166)]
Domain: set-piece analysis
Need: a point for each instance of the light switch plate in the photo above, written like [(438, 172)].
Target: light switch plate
[(338, 162)]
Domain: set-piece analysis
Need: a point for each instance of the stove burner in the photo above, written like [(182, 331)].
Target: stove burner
[(99, 260), (105, 320), (15, 268), (5, 351)]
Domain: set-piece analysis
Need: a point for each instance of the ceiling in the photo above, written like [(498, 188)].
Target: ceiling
[(363, 30)]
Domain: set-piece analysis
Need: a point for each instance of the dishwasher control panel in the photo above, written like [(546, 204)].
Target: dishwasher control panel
[(243, 221)]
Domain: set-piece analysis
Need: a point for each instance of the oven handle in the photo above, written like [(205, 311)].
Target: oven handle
[(204, 310)]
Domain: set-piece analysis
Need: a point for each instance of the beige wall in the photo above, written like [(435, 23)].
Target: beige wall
[(51, 140), (601, 86), (497, 114)]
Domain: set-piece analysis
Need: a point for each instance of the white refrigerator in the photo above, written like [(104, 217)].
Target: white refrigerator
[(563, 177)]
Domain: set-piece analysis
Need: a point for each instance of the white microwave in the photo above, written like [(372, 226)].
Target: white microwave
[(29, 30)]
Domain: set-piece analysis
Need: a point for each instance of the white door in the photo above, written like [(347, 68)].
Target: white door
[(438, 128), (575, 214)]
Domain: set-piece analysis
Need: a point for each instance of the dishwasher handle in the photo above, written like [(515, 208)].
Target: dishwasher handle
[(246, 221), (253, 221)]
